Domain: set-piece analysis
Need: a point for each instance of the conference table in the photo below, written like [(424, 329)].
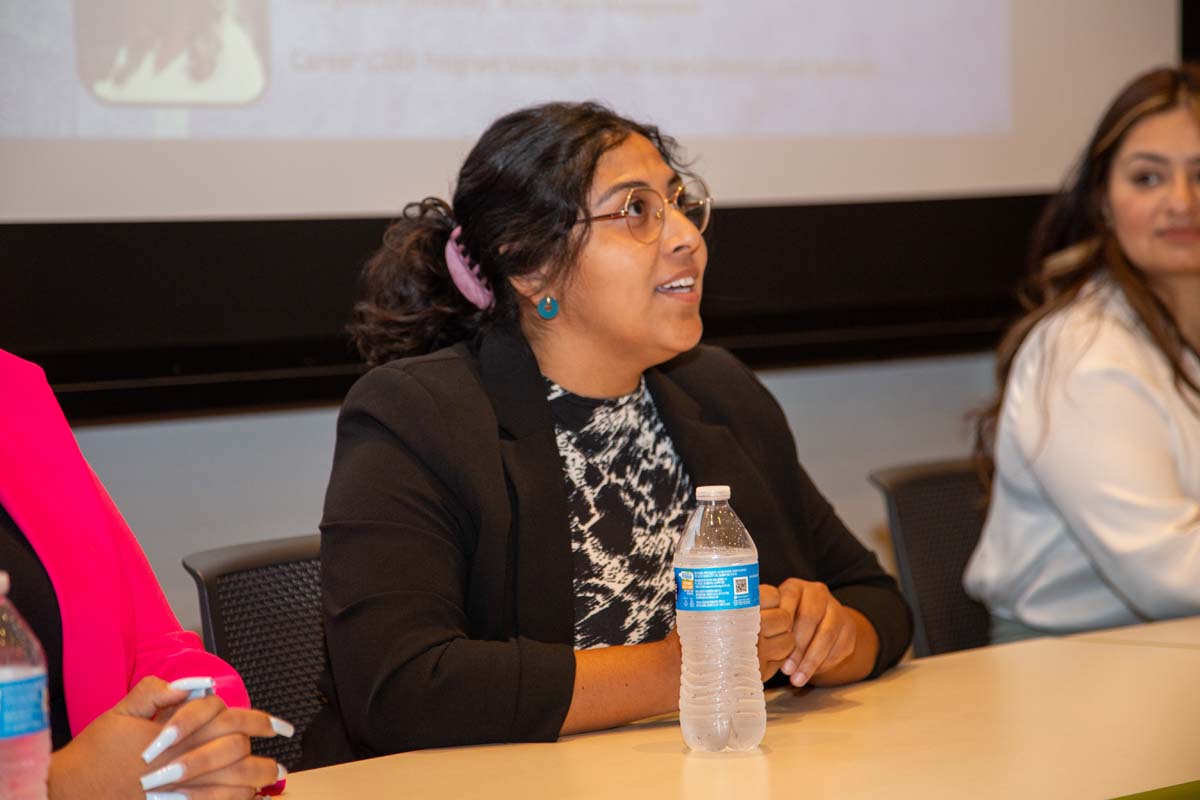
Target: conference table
[(1094, 715), (1168, 633)]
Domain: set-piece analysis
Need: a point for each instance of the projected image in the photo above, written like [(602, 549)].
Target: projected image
[(172, 52), (443, 69)]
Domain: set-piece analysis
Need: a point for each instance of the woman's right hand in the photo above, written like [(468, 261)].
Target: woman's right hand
[(157, 742)]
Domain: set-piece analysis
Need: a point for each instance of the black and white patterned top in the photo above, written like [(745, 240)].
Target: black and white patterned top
[(628, 498)]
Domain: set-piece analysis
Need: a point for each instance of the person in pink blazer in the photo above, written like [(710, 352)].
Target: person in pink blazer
[(133, 682)]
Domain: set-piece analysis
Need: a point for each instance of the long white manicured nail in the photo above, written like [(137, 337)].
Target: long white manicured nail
[(171, 773), (192, 684), (161, 742), (280, 772), (283, 727), (166, 796)]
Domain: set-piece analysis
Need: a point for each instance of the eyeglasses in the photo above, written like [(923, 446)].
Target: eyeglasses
[(645, 210)]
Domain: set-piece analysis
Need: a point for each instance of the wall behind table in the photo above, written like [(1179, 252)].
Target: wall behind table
[(197, 483), (193, 484)]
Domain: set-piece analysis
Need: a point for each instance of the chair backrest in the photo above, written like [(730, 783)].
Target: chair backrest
[(260, 605), (935, 510)]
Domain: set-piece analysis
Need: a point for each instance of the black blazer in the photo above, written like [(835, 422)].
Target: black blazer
[(446, 552)]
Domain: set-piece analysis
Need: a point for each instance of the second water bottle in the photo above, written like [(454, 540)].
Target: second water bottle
[(717, 614), (24, 715)]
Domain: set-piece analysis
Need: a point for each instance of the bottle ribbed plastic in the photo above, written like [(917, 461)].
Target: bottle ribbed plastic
[(717, 613), (24, 717)]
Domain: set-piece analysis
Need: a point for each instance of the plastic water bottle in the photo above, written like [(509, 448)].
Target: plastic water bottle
[(24, 707), (716, 610)]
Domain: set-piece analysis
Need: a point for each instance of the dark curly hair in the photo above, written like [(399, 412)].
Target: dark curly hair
[(518, 196)]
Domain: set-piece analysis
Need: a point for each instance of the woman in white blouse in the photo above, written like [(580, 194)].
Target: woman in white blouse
[(1095, 436)]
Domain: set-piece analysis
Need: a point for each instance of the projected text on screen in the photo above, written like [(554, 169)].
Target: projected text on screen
[(443, 69)]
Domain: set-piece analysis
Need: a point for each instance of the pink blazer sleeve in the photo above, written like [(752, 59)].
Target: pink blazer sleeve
[(117, 626)]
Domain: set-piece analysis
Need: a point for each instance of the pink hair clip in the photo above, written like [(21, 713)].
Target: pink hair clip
[(466, 275)]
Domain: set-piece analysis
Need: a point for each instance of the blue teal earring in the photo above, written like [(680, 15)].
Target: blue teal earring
[(547, 307)]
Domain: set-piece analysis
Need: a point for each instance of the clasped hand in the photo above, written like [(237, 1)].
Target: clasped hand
[(157, 742), (805, 631)]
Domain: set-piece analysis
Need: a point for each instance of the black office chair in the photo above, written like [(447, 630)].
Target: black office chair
[(260, 604), (935, 510)]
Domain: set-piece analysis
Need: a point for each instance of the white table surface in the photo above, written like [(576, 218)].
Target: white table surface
[(1062, 718), (1183, 632)]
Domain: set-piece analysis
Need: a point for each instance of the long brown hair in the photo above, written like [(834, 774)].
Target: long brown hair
[(1072, 244)]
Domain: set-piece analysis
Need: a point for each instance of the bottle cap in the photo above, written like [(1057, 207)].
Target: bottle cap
[(712, 493), (3, 583)]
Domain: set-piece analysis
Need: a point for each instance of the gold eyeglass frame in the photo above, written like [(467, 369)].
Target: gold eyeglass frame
[(660, 213)]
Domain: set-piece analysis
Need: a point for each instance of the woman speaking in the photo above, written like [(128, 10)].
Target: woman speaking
[(508, 485)]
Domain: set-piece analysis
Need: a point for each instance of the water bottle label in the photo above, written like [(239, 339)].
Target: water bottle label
[(24, 707), (716, 588)]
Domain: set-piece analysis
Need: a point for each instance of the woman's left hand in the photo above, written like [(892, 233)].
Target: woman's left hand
[(824, 636), (205, 750), (157, 740)]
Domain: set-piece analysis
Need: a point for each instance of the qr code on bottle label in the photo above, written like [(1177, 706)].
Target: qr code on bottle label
[(741, 586)]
